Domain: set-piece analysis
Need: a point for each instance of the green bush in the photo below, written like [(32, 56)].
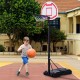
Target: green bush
[(2, 48)]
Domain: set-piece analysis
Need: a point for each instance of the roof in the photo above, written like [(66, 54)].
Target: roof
[(63, 5)]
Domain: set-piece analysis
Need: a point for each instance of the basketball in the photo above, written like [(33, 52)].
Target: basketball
[(31, 53)]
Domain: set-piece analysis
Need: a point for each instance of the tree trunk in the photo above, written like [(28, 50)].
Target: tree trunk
[(41, 47), (11, 43), (54, 48)]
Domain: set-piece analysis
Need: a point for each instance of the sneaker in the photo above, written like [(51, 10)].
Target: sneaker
[(18, 72), (27, 73)]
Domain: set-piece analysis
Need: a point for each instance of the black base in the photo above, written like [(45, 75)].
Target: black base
[(58, 72)]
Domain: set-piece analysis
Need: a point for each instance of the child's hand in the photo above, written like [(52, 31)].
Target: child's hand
[(19, 50)]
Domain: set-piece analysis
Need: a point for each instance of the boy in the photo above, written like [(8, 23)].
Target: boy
[(23, 49)]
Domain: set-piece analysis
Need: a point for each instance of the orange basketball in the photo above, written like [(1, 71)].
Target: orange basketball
[(31, 53)]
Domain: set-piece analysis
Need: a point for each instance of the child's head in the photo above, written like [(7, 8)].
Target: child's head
[(26, 40)]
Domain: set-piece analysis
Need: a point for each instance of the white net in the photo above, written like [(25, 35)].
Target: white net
[(40, 18)]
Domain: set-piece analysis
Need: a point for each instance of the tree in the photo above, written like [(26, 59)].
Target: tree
[(41, 37), (2, 48), (16, 18), (42, 34), (56, 36)]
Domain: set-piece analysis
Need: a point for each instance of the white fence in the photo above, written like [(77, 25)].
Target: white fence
[(38, 53)]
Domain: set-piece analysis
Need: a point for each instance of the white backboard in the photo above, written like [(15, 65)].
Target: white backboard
[(49, 9)]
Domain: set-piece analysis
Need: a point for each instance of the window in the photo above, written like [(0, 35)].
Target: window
[(44, 48), (55, 23), (12, 49), (78, 28), (8, 48)]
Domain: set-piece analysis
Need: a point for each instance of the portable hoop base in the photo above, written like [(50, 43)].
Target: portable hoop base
[(58, 72)]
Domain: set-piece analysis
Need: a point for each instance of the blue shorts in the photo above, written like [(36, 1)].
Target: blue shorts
[(25, 59)]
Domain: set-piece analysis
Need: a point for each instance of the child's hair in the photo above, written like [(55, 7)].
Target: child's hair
[(26, 38)]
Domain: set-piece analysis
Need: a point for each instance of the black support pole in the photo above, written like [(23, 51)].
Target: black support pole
[(49, 45)]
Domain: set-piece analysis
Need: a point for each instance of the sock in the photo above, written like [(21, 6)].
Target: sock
[(19, 70)]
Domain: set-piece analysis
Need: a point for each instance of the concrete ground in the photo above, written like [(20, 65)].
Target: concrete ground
[(69, 61)]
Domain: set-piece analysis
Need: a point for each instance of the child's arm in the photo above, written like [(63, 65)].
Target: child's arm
[(30, 47), (19, 49)]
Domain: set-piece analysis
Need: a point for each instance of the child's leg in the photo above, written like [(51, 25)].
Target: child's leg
[(26, 67), (18, 72), (21, 67), (25, 61)]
